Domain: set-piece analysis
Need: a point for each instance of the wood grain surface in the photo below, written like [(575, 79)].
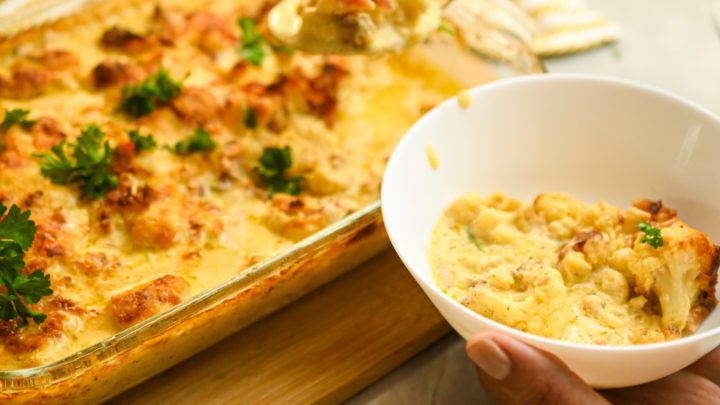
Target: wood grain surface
[(321, 349)]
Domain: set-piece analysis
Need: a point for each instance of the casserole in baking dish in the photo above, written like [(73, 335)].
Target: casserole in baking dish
[(187, 175)]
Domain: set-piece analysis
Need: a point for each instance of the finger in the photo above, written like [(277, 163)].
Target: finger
[(515, 373), (708, 366), (682, 387)]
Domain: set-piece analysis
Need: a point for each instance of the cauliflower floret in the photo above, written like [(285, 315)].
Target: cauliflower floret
[(537, 302), (681, 272)]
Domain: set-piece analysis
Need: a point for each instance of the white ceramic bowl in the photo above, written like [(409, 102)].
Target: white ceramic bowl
[(597, 138)]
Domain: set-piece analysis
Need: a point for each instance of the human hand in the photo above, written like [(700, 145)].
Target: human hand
[(516, 373)]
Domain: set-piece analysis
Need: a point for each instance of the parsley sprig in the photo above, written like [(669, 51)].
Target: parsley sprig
[(199, 141), (17, 233), (252, 41), (142, 142), (447, 29), (250, 119), (472, 238), (16, 116), (652, 237), (272, 166), (89, 167), (142, 99)]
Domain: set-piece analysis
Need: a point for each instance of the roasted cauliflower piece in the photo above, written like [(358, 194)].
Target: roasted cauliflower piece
[(681, 273)]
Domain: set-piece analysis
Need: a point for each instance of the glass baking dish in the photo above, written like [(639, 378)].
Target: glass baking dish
[(135, 354)]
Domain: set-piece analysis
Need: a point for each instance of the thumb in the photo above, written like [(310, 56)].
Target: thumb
[(515, 373)]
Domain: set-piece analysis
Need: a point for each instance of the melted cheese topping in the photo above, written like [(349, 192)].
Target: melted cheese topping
[(178, 225), (567, 270)]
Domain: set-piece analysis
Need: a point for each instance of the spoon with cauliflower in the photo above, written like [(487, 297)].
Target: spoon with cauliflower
[(354, 26)]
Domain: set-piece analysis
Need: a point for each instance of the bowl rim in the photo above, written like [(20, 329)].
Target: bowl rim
[(476, 92)]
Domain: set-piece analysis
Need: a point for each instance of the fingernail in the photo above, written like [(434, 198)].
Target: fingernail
[(489, 357)]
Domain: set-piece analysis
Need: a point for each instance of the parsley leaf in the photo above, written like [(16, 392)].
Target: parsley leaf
[(15, 117), (273, 163), (446, 28), (142, 142), (142, 99), (652, 237), (252, 41), (17, 232), (199, 141), (471, 236), (90, 169), (250, 118)]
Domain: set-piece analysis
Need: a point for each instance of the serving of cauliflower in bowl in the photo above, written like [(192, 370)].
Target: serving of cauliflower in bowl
[(504, 209)]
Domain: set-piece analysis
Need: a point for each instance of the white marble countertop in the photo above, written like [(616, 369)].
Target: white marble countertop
[(671, 44)]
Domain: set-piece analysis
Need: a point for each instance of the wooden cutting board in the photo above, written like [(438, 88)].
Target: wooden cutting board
[(321, 349)]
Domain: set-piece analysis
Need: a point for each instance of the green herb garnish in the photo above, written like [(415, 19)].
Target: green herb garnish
[(250, 118), (16, 116), (199, 141), (142, 99), (652, 237), (252, 41), (272, 166), (142, 142), (471, 236), (17, 233), (282, 48), (89, 167), (446, 28)]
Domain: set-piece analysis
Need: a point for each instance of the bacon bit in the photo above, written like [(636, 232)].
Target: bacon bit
[(146, 300), (33, 265), (110, 74), (104, 217), (237, 71), (295, 219), (191, 255), (96, 262), (10, 158), (126, 41), (46, 240), (658, 211), (57, 59), (577, 243), (15, 343), (320, 92), (123, 158), (125, 196), (168, 25), (46, 133), (195, 106), (27, 81), (53, 325), (213, 33), (31, 198), (384, 4), (58, 217), (267, 102)]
